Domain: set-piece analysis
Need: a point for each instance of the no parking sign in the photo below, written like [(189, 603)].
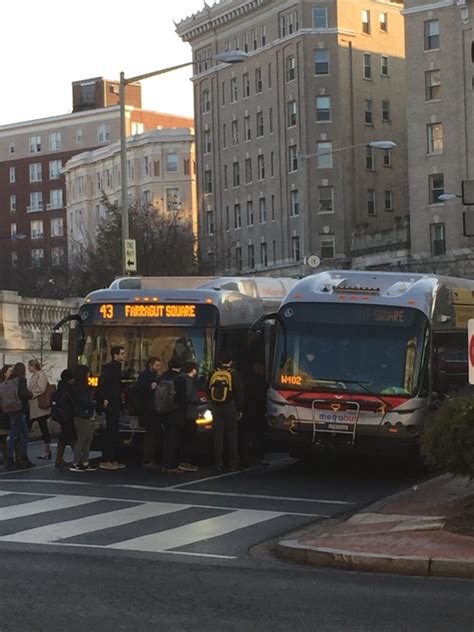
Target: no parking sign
[(470, 332)]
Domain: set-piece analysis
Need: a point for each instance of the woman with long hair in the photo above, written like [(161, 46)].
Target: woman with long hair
[(18, 425), (38, 384), (83, 414), (4, 418)]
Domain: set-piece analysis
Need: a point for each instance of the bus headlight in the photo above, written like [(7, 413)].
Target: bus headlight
[(205, 418)]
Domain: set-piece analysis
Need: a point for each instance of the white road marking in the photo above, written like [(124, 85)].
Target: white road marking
[(196, 531), (44, 505), (27, 469), (70, 528), (263, 496)]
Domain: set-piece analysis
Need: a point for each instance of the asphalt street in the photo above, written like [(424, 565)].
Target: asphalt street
[(137, 550)]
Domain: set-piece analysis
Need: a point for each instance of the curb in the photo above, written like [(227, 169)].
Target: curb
[(293, 551)]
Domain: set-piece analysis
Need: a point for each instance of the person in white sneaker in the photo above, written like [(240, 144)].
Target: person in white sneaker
[(83, 415), (110, 385)]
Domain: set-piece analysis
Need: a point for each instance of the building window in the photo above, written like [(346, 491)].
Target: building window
[(247, 130), (431, 34), (37, 229), (11, 147), (436, 187), (387, 157), (57, 227), (274, 251), (292, 158), (324, 155), (263, 35), (206, 101), (35, 172), (270, 120), (209, 223), (290, 68), (295, 248), (254, 39), (238, 258), (55, 200), (291, 113), (207, 181), (294, 203), (237, 216), (227, 217), (12, 175), (37, 257), (272, 166), (388, 203), (55, 167), (383, 22), (36, 202), (224, 136), (222, 94), (35, 144), (246, 85), (366, 22), (172, 163), (369, 112), (386, 111), (226, 179), (173, 202), (234, 93), (78, 136), (433, 84), (57, 256), (248, 170), (269, 75), (13, 230), (435, 138), (258, 80), (251, 256), (206, 141), (12, 203), (272, 203), (262, 210), (326, 199), (261, 167), (156, 168), (367, 66), (320, 17), (438, 239), (321, 62), (369, 158), (250, 218), (260, 129), (234, 132), (55, 141), (384, 66), (327, 246), (371, 206), (263, 254), (14, 258), (103, 133), (235, 174), (323, 109)]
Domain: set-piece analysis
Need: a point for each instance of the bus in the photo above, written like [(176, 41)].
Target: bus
[(360, 359), (191, 318)]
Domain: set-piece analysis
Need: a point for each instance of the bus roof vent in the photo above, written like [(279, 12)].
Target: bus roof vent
[(360, 289)]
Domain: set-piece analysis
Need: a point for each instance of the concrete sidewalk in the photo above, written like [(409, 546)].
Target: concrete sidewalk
[(405, 533)]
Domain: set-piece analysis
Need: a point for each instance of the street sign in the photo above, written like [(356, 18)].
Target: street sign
[(130, 246), (470, 338), (312, 261)]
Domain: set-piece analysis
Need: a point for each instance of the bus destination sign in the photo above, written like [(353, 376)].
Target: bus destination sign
[(149, 313)]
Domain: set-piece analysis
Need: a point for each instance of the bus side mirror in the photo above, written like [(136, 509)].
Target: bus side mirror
[(56, 341)]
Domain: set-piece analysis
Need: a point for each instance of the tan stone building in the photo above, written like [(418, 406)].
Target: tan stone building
[(321, 75), (161, 173), (439, 44)]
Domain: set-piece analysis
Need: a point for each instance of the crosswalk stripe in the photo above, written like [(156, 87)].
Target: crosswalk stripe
[(196, 531), (41, 506), (70, 528)]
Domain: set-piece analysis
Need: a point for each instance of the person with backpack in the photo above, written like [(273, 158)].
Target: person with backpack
[(14, 398), (173, 419), (4, 418), (84, 410), (110, 389), (227, 400), (188, 406), (144, 395), (62, 411), (39, 405)]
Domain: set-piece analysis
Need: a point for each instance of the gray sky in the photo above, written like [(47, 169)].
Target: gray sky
[(46, 45)]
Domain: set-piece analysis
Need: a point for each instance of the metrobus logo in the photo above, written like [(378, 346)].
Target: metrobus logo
[(337, 417)]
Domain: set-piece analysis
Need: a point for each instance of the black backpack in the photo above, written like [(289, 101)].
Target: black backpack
[(10, 401), (165, 394)]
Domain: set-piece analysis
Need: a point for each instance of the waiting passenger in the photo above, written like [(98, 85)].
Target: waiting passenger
[(145, 390), (84, 409)]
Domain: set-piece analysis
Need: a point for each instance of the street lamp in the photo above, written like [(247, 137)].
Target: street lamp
[(227, 57), (17, 237), (376, 144), (448, 196)]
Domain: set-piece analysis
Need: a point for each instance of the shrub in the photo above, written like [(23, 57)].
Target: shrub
[(449, 441)]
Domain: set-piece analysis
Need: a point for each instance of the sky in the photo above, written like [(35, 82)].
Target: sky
[(47, 45)]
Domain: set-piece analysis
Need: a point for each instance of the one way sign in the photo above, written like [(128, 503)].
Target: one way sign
[(130, 246)]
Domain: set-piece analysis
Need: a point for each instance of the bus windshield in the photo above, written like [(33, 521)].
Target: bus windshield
[(189, 344), (361, 348)]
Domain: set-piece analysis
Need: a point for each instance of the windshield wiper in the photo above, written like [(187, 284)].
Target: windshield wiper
[(363, 387)]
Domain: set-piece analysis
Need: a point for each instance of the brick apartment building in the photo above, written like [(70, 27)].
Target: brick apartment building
[(321, 75), (32, 186)]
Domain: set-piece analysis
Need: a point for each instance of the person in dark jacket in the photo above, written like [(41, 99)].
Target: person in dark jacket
[(84, 409), (188, 406), (18, 425), (226, 418), (64, 398), (172, 422), (4, 418), (110, 384), (145, 389)]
